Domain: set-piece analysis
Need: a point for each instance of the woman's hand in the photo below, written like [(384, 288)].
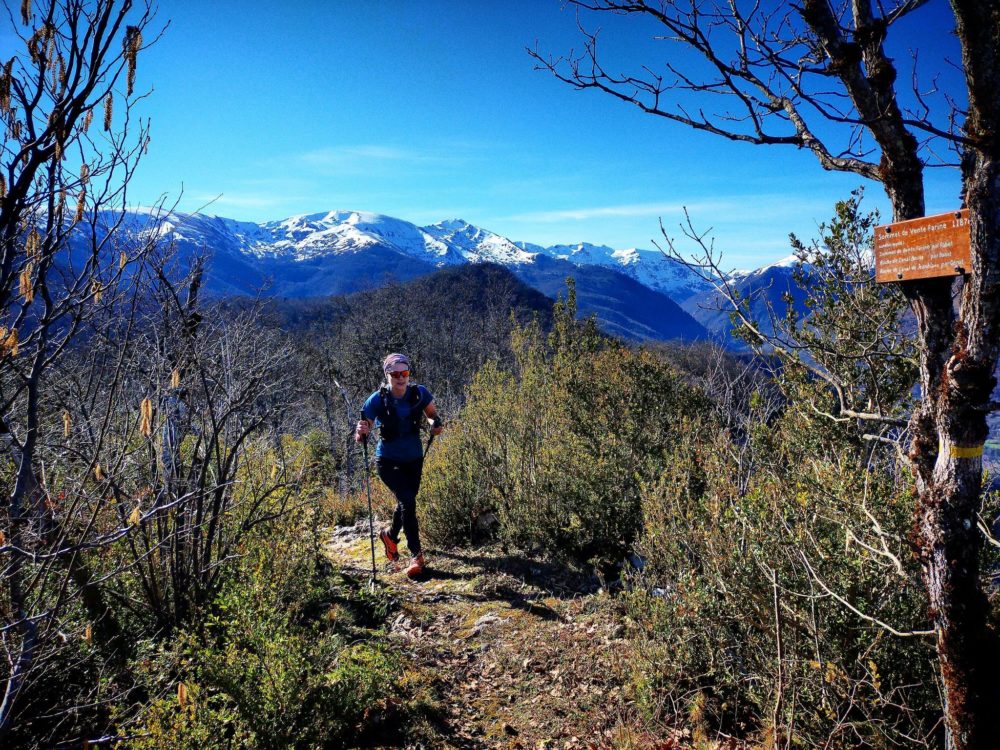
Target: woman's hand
[(362, 430), (437, 424)]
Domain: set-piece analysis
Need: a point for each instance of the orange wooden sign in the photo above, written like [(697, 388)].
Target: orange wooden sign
[(923, 248)]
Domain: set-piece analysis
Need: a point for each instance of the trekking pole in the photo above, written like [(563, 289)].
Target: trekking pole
[(430, 440), (371, 517)]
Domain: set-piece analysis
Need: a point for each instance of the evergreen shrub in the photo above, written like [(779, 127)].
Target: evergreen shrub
[(559, 448), (782, 600), (284, 658), (746, 595)]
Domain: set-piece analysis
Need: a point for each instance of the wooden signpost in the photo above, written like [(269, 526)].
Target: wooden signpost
[(923, 248)]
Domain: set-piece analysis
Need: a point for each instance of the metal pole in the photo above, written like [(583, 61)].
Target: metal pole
[(371, 517), (434, 423)]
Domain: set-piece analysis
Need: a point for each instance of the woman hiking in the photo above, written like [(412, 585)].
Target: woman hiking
[(397, 409)]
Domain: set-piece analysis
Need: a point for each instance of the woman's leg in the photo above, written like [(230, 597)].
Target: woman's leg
[(403, 480)]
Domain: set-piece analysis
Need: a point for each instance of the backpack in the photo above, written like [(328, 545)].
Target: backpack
[(390, 423)]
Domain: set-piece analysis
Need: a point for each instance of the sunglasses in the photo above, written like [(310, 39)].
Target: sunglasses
[(400, 374)]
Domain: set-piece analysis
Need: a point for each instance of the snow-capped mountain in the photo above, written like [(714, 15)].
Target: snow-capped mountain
[(766, 289), (479, 245), (339, 252), (312, 236), (650, 268), (787, 263)]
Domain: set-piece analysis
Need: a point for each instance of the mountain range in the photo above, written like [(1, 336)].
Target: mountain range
[(635, 293)]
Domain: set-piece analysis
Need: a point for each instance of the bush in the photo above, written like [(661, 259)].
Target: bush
[(735, 566), (453, 497), (559, 449), (273, 665)]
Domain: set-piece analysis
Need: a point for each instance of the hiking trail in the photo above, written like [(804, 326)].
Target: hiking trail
[(513, 651)]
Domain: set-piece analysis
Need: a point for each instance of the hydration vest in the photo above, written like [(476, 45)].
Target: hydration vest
[(389, 420)]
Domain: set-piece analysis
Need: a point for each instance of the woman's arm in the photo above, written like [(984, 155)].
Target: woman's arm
[(431, 412)]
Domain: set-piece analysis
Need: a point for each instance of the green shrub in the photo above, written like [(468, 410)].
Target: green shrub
[(812, 528), (559, 449), (453, 497), (273, 664)]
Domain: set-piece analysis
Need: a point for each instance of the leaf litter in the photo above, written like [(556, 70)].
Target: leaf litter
[(512, 652)]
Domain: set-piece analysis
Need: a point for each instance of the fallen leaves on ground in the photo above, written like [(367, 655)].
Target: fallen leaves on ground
[(518, 653)]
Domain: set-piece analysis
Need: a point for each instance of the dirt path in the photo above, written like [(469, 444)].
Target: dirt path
[(515, 653)]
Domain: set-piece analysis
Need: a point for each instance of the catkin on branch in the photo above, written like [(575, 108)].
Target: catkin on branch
[(146, 417), (132, 44), (32, 244), (8, 342), (26, 286), (81, 204), (108, 110), (5, 80)]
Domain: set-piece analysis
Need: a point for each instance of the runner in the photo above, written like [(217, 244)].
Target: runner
[(397, 409)]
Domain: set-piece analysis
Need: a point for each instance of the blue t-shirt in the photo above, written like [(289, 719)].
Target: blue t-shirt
[(406, 446)]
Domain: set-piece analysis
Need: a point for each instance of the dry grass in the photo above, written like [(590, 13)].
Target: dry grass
[(347, 509)]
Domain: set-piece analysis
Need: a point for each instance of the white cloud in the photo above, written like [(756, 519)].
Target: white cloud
[(243, 206), (364, 159), (756, 208)]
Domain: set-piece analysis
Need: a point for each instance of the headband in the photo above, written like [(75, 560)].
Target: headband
[(395, 359)]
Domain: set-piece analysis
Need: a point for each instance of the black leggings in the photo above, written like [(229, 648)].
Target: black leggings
[(403, 480)]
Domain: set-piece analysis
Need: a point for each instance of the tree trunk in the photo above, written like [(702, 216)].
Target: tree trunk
[(958, 361), (949, 429), (967, 643), (949, 542)]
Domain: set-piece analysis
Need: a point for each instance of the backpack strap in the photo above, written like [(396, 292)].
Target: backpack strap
[(390, 422)]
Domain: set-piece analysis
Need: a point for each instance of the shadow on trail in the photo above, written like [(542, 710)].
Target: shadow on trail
[(524, 602), (554, 578), (436, 574)]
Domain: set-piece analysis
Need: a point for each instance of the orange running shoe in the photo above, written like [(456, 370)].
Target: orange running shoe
[(391, 548), (416, 566)]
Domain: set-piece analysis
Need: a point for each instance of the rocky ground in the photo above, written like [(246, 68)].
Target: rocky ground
[(507, 651)]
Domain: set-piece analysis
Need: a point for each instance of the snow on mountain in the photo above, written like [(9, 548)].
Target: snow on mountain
[(765, 289), (651, 268), (311, 238), (314, 235), (788, 261), (478, 245), (306, 236)]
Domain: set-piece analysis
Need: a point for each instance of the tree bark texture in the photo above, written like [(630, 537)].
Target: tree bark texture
[(958, 361)]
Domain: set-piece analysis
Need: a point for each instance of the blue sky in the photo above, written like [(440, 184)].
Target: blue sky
[(432, 110)]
